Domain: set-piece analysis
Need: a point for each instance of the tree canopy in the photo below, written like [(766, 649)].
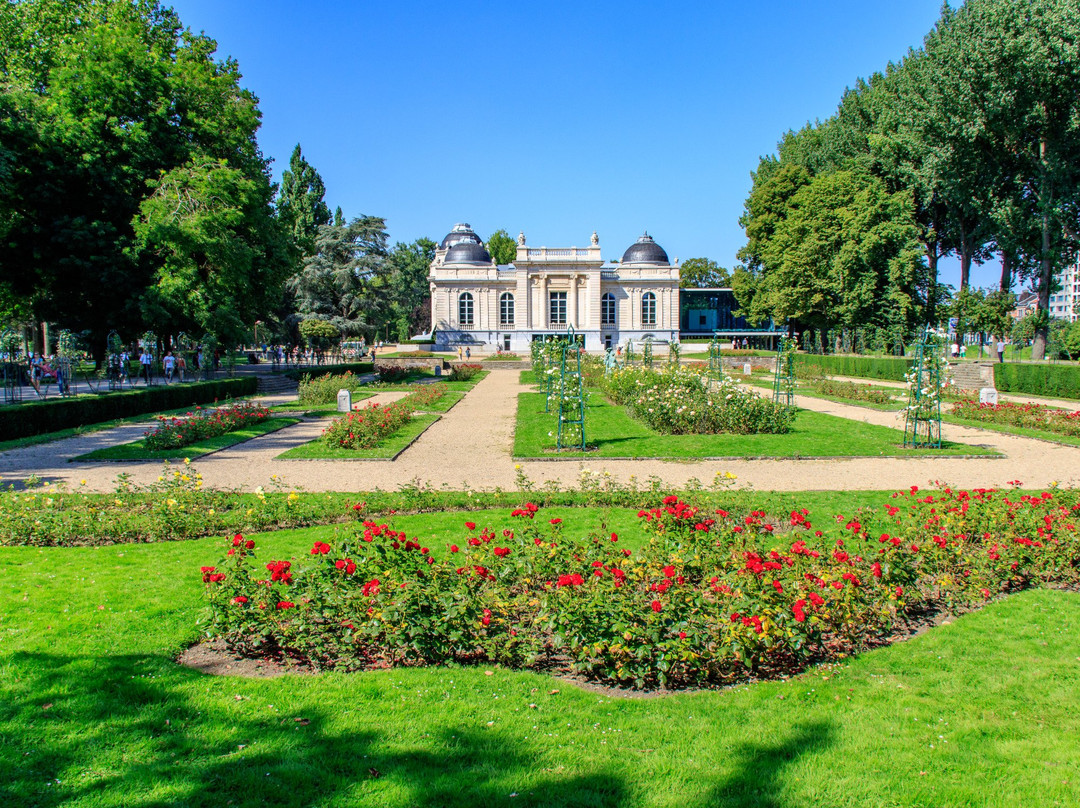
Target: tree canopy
[(703, 273)]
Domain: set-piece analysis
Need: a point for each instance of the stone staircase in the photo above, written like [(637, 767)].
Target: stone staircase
[(972, 375), (277, 383)]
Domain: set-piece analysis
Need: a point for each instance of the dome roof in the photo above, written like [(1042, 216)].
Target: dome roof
[(645, 251), (466, 252), (461, 233)]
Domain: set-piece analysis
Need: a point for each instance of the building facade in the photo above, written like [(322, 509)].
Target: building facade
[(545, 290), (1065, 305)]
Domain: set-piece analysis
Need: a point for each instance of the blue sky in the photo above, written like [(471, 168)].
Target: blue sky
[(553, 118)]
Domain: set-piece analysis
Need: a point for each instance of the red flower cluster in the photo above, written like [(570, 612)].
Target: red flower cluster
[(279, 571), (320, 548)]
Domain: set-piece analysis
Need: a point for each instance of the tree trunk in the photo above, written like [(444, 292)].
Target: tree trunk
[(965, 266), (1046, 268), (931, 286), (1007, 262)]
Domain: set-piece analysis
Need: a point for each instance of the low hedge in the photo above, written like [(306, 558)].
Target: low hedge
[(1060, 381), (891, 368), (317, 371), (40, 417)]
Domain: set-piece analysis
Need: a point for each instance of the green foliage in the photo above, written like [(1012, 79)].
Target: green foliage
[(319, 332), (40, 417), (409, 288), (300, 203), (853, 392), (864, 367), (174, 432), (502, 246), (702, 273), (130, 164), (1027, 416), (330, 370), (1057, 381), (464, 372), (705, 596)]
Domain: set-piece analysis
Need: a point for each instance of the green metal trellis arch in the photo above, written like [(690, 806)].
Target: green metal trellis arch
[(571, 393)]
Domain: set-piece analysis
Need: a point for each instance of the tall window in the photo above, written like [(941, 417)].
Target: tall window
[(506, 309), (648, 309), (557, 308), (465, 309), (607, 309)]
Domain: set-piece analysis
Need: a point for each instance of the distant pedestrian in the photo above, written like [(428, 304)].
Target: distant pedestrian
[(963, 351), (460, 353), (181, 366), (170, 366), (1001, 349), (146, 359), (468, 354)]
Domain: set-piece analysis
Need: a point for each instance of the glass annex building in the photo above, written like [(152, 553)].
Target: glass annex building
[(705, 312)]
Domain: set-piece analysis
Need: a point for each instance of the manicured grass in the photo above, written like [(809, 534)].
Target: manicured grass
[(96, 713), (615, 434), (1009, 429), (460, 386), (317, 409), (136, 450), (448, 400), (389, 448)]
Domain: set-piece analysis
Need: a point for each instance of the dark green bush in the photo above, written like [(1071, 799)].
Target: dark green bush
[(37, 418), (891, 368), (1060, 381), (326, 370)]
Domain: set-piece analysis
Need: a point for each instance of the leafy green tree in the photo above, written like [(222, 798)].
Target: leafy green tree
[(301, 203), (408, 266), (102, 101), (502, 246), (703, 273), (344, 281)]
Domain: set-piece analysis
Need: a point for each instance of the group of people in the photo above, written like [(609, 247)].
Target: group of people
[(958, 350)]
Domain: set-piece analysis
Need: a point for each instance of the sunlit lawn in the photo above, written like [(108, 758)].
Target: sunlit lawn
[(95, 712)]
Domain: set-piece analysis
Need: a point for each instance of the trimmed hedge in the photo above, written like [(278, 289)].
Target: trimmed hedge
[(38, 418), (891, 368), (1059, 381), (318, 371)]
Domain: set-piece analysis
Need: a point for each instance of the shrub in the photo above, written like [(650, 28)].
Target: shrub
[(1061, 381), (392, 374), (367, 427), (854, 392), (679, 401), (177, 432), (330, 370), (708, 598), (37, 418), (1029, 416), (891, 368), (323, 389), (462, 373)]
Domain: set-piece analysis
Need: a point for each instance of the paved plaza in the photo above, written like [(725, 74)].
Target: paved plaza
[(471, 447)]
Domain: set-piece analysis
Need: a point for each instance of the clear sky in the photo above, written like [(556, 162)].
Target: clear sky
[(556, 118)]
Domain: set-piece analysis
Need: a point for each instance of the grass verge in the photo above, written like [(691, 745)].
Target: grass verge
[(96, 712), (388, 449), (615, 433), (136, 450)]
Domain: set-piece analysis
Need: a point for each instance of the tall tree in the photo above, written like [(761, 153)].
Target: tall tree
[(344, 281), (301, 204), (703, 273), (408, 266), (502, 246)]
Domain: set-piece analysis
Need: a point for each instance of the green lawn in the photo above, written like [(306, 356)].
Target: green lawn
[(387, 450), (136, 450), (616, 434), (409, 386), (96, 713)]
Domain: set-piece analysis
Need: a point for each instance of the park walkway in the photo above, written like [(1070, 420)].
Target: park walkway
[(471, 445)]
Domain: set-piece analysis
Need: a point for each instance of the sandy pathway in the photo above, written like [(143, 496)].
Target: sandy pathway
[(471, 445)]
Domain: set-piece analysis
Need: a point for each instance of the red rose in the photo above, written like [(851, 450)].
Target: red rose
[(284, 604), (669, 571), (682, 635), (470, 525), (556, 521), (656, 606), (240, 599), (454, 548)]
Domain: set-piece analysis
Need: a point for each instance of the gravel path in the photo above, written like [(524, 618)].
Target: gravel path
[(470, 446)]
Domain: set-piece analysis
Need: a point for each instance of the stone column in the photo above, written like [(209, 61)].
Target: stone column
[(571, 314), (544, 312)]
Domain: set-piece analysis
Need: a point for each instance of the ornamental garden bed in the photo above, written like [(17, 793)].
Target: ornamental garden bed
[(137, 450), (387, 449), (985, 706), (698, 596), (614, 433)]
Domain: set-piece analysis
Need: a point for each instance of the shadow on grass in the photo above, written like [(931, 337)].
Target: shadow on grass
[(123, 730)]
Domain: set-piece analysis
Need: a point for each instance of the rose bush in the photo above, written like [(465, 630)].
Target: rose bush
[(199, 424), (707, 597), (367, 426), (1029, 416)]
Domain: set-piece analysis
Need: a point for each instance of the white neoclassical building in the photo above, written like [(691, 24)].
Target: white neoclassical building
[(477, 302)]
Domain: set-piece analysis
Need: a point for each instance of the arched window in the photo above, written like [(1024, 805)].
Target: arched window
[(607, 309), (465, 309), (648, 309), (506, 309)]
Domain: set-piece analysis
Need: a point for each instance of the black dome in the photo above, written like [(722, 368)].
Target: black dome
[(461, 233), (466, 252), (645, 251)]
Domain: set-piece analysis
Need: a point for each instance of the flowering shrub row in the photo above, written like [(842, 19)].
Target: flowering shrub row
[(462, 373), (853, 392), (708, 596), (1030, 416), (366, 427), (177, 432), (324, 389), (678, 401)]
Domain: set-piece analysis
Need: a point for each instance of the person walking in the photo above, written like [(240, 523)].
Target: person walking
[(468, 354), (460, 353), (181, 366), (146, 360), (170, 367), (1000, 349)]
